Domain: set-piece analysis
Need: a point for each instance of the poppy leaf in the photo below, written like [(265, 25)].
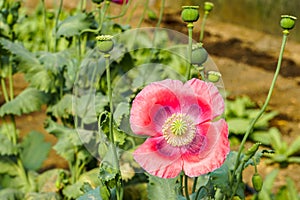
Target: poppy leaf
[(29, 100)]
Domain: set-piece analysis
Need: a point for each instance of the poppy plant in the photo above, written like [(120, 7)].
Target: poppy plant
[(184, 134)]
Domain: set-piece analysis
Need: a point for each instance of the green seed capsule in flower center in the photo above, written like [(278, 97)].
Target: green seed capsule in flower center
[(179, 129)]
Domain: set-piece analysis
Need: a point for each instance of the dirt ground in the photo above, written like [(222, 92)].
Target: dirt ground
[(247, 60)]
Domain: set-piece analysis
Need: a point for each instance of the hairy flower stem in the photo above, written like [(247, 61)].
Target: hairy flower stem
[(186, 187), (195, 184), (119, 189), (262, 110), (190, 27)]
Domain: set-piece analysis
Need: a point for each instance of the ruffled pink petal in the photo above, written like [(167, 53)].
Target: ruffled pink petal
[(211, 153), (209, 99), (159, 158), (149, 102)]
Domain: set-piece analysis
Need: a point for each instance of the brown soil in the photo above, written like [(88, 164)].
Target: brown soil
[(247, 59)]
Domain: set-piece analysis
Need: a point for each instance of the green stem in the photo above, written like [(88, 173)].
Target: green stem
[(143, 14), (23, 175), (186, 187), (249, 130), (5, 94), (56, 24), (123, 12), (190, 34), (79, 47), (101, 15), (161, 13), (195, 184), (45, 22), (82, 5), (203, 26), (10, 81), (111, 133), (181, 183)]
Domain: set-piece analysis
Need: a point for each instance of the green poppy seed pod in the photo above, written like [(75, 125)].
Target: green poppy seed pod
[(199, 55), (213, 76), (287, 22), (105, 43), (190, 13), (236, 198), (208, 6), (257, 182)]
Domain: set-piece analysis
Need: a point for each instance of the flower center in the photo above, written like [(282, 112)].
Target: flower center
[(179, 130)]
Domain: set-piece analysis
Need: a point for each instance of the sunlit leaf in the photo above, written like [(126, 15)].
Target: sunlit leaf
[(34, 150), (68, 139), (238, 125), (18, 49), (29, 100), (73, 25), (294, 147), (291, 187), (91, 195), (159, 188), (261, 136), (45, 81), (7, 135), (276, 140), (55, 61), (7, 166), (73, 191), (63, 108), (11, 194)]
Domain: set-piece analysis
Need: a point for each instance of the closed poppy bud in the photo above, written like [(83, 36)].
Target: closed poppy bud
[(213, 76), (251, 151), (287, 22), (105, 43), (208, 6), (257, 182), (190, 13), (199, 55)]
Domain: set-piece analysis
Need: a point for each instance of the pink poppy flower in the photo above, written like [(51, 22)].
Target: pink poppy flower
[(119, 1), (183, 132)]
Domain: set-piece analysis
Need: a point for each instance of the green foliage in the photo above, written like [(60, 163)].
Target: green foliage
[(240, 113), (162, 188), (284, 153), (73, 25), (34, 150), (288, 191), (29, 100), (8, 140)]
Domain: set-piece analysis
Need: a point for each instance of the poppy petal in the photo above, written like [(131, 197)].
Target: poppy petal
[(209, 99), (199, 161), (148, 102), (159, 158)]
